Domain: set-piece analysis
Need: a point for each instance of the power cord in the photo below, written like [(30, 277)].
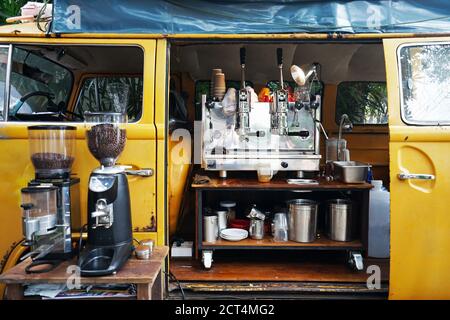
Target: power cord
[(80, 240), (173, 278)]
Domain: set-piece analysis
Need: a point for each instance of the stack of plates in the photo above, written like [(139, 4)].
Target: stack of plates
[(234, 234)]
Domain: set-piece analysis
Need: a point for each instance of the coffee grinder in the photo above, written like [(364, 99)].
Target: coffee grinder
[(50, 203), (110, 241)]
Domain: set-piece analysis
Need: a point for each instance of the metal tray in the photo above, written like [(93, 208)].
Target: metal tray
[(351, 171)]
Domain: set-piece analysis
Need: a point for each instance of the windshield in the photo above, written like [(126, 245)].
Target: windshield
[(32, 73)]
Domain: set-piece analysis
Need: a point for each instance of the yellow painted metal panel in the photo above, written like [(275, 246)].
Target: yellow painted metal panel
[(420, 215), (161, 98)]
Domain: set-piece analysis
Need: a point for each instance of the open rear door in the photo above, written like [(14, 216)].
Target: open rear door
[(418, 78)]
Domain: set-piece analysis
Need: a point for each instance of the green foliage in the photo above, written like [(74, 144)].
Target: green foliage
[(363, 102), (10, 8)]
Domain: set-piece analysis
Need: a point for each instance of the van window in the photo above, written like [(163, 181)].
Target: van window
[(425, 79), (3, 65), (93, 96), (39, 86), (364, 102)]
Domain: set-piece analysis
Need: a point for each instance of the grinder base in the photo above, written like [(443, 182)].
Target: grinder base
[(102, 261)]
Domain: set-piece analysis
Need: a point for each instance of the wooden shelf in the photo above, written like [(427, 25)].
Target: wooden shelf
[(277, 184), (246, 269), (268, 243)]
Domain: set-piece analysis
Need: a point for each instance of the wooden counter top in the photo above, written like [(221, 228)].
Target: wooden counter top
[(146, 274), (278, 184), (133, 271)]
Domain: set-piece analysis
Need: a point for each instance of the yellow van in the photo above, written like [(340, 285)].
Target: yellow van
[(393, 86)]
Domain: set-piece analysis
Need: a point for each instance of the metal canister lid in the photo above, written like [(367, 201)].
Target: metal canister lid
[(227, 204), (142, 252)]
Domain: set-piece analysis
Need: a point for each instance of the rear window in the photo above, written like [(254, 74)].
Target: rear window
[(364, 102), (93, 96)]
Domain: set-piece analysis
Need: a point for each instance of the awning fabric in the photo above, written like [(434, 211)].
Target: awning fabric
[(250, 16)]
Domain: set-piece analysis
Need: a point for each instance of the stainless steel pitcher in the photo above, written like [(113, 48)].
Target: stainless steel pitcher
[(256, 229)]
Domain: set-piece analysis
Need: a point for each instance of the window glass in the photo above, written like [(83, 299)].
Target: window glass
[(364, 102), (3, 64), (425, 83), (38, 85), (93, 96)]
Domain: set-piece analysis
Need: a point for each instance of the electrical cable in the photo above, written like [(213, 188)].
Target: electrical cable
[(173, 278), (80, 240)]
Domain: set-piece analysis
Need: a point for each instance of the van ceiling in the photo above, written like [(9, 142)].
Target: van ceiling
[(339, 62)]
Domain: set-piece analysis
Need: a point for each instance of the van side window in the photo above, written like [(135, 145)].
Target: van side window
[(39, 87), (3, 65), (425, 81), (364, 102), (93, 95)]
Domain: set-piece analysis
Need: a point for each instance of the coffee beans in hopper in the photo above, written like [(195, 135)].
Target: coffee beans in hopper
[(106, 142), (51, 160)]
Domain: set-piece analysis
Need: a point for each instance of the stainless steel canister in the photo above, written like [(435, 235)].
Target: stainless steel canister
[(148, 242), (210, 228), (302, 220), (142, 252), (339, 220), (222, 219)]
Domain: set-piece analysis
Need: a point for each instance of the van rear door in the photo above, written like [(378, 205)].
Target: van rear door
[(418, 82)]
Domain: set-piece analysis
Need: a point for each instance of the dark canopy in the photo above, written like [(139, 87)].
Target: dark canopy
[(250, 16)]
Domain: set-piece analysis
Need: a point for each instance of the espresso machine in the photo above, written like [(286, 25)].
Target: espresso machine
[(110, 241), (50, 202), (280, 135)]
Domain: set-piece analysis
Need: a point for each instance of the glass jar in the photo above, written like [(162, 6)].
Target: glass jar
[(335, 149), (52, 150), (106, 135), (230, 206)]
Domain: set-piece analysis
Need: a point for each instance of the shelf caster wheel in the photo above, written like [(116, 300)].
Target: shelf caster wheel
[(355, 260), (207, 259)]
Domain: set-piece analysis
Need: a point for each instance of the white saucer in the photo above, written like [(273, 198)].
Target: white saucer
[(234, 234)]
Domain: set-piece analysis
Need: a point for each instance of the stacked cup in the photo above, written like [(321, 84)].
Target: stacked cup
[(219, 87), (213, 78)]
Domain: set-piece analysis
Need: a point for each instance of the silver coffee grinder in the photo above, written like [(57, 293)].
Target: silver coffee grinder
[(50, 202)]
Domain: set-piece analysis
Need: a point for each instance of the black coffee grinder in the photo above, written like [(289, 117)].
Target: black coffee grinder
[(110, 241)]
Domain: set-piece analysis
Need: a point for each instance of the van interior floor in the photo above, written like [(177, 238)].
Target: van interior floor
[(284, 275)]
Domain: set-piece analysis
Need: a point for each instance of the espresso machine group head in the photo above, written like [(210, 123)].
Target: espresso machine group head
[(242, 125), (279, 105), (110, 241), (50, 202)]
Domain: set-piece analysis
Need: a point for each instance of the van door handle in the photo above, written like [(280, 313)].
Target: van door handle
[(416, 176), (141, 172)]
